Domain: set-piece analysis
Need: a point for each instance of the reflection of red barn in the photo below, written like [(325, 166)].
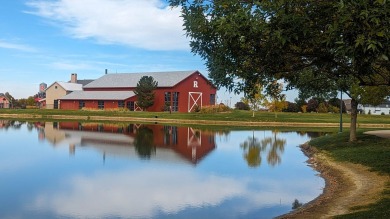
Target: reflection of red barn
[(191, 144), (184, 91)]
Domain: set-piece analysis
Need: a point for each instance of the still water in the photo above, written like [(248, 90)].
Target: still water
[(91, 170)]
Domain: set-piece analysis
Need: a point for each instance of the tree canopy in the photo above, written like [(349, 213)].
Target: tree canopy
[(250, 42), (256, 40), (145, 91)]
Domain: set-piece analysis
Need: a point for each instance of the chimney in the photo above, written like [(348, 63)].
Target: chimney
[(73, 78)]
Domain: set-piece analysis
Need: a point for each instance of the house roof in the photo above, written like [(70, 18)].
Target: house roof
[(68, 86), (164, 79), (99, 95), (84, 82), (4, 96)]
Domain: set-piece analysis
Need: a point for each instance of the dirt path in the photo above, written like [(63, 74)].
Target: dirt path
[(347, 185)]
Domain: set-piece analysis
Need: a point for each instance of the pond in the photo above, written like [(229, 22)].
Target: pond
[(95, 170)]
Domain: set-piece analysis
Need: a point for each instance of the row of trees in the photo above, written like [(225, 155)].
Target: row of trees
[(20, 103), (317, 47), (315, 104)]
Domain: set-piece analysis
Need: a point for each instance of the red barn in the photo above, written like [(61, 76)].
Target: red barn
[(183, 91), (112, 139)]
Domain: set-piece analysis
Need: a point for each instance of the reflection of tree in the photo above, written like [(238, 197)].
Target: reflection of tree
[(253, 147), (6, 124), (143, 143), (277, 147), (296, 204)]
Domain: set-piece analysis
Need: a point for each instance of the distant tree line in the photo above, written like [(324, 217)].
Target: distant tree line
[(20, 103), (314, 104)]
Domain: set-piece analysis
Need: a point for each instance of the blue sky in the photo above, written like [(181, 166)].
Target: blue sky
[(47, 40)]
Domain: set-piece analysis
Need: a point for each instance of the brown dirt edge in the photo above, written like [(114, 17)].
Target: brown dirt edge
[(347, 185), (189, 122)]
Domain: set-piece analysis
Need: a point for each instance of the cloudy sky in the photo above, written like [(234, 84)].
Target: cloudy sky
[(47, 40)]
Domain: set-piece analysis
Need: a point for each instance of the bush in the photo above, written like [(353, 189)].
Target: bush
[(291, 107), (30, 107), (304, 108), (215, 109), (322, 108), (242, 106), (333, 109)]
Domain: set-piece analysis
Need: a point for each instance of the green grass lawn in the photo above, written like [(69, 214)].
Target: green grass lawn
[(234, 115), (370, 151)]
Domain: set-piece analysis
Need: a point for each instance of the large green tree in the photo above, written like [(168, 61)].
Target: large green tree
[(247, 42), (145, 91)]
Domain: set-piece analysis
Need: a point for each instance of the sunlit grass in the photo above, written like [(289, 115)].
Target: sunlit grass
[(370, 151)]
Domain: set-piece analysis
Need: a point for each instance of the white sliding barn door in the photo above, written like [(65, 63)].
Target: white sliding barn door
[(194, 100)]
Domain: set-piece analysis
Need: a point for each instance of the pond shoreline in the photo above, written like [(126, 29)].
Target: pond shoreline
[(347, 185), (186, 121)]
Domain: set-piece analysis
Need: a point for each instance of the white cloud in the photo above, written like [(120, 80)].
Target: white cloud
[(69, 66), (16, 46), (144, 192), (138, 193), (147, 24)]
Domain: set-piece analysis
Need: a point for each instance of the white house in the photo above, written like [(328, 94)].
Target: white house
[(383, 108)]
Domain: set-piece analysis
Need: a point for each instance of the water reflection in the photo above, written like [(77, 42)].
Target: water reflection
[(8, 124), (216, 184), (146, 141), (253, 148)]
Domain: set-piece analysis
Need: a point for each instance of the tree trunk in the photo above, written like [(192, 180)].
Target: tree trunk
[(352, 132)]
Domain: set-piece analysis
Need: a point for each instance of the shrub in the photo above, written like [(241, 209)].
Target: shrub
[(242, 106), (215, 109), (333, 109), (322, 108), (304, 108), (31, 107), (291, 107)]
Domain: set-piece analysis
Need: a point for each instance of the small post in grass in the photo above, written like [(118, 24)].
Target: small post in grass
[(341, 111)]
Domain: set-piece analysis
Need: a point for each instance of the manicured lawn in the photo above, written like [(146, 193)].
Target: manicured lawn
[(370, 151), (235, 115)]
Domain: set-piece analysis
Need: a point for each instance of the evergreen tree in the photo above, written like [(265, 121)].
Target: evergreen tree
[(145, 91)]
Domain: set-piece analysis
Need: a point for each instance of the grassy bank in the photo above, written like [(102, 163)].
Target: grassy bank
[(370, 151), (235, 115)]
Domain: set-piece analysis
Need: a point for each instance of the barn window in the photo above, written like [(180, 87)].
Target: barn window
[(100, 104), (121, 104), (167, 100), (81, 104), (130, 105), (212, 99), (175, 103)]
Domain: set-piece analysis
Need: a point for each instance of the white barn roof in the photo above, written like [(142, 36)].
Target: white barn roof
[(164, 79), (99, 95)]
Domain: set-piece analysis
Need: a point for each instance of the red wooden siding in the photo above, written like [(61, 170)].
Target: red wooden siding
[(196, 83)]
